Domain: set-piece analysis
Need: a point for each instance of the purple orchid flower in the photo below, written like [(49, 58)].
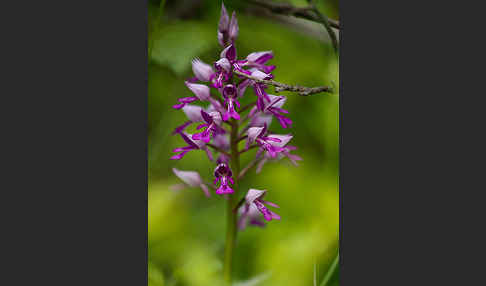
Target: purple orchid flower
[(193, 113), (192, 145), (223, 66), (229, 94), (249, 215), (285, 153), (257, 134), (223, 72), (200, 91), (224, 175), (192, 179), (273, 108), (257, 60), (213, 120), (254, 199)]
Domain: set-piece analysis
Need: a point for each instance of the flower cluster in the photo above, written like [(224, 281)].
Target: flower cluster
[(223, 106)]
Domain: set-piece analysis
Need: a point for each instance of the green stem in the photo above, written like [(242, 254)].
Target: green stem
[(331, 270), (231, 216)]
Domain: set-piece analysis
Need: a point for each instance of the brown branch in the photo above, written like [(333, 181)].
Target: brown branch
[(290, 10), (310, 13), (301, 90)]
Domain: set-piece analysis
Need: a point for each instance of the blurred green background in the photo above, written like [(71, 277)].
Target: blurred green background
[(186, 230)]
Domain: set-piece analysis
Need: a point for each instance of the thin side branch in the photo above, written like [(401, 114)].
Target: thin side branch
[(249, 148), (248, 167), (242, 138), (301, 90), (218, 149), (247, 106), (238, 205)]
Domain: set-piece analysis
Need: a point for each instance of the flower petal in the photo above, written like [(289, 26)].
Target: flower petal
[(233, 27), (191, 178), (253, 133), (223, 19), (260, 75), (193, 112), (276, 101), (200, 90), (186, 138), (206, 117), (260, 57), (254, 194), (201, 70), (221, 141), (229, 52), (181, 128), (223, 64), (259, 120), (284, 139)]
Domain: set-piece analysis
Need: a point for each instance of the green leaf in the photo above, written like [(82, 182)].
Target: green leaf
[(175, 45), (332, 275)]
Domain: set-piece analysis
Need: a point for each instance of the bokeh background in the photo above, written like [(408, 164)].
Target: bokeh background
[(186, 230)]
